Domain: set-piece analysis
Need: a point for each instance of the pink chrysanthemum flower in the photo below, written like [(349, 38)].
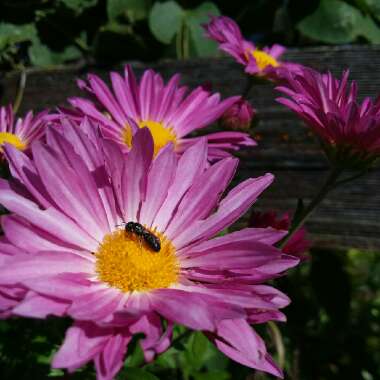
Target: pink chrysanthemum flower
[(349, 131), (163, 109), (22, 132), (68, 253), (297, 245), (259, 62)]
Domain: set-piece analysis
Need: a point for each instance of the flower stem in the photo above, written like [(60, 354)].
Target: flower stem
[(20, 91), (182, 337), (351, 178), (328, 185), (182, 42), (248, 87), (278, 342)]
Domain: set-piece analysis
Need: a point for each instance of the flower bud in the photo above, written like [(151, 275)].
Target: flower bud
[(238, 116)]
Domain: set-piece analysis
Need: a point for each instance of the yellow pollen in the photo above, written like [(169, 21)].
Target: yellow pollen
[(161, 134), (10, 138), (263, 59), (126, 262)]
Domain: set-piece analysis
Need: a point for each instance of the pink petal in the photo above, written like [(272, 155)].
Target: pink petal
[(264, 235), (44, 264), (109, 362), (137, 162), (68, 286), (83, 341), (74, 192), (50, 220), (230, 209), (160, 178), (98, 303), (23, 169), (182, 307), (191, 163), (23, 234), (242, 344), (36, 306), (249, 254), (155, 340), (203, 195)]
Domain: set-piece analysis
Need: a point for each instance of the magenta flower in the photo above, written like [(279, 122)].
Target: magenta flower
[(259, 62), (71, 255), (350, 131), (297, 245), (163, 109), (239, 115), (22, 132)]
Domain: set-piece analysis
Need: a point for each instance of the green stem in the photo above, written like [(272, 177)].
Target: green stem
[(351, 178), (326, 187), (247, 88), (278, 342), (20, 91), (182, 42), (178, 44), (182, 336)]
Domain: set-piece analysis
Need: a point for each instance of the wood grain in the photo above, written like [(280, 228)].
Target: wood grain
[(349, 217)]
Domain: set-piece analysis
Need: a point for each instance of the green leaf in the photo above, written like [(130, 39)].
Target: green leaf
[(201, 46), (370, 30), (78, 6), (165, 20), (135, 10), (11, 34), (138, 374), (199, 346), (336, 22), (136, 357), (167, 359), (41, 55), (216, 360), (373, 7)]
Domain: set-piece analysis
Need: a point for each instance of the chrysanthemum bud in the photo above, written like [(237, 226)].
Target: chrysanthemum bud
[(239, 115)]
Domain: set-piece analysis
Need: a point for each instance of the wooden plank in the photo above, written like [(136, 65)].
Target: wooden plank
[(350, 216)]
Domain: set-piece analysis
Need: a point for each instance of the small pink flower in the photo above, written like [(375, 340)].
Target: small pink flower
[(298, 244), (20, 133), (164, 109), (66, 251), (239, 115), (349, 130), (259, 62)]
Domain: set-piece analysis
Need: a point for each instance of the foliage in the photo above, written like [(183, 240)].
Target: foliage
[(46, 33), (337, 22), (331, 333)]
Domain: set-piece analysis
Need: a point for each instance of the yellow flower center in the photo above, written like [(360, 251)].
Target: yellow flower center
[(263, 59), (126, 262), (10, 138), (161, 134)]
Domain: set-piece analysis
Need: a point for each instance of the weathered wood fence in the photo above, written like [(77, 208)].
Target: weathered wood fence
[(349, 217)]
